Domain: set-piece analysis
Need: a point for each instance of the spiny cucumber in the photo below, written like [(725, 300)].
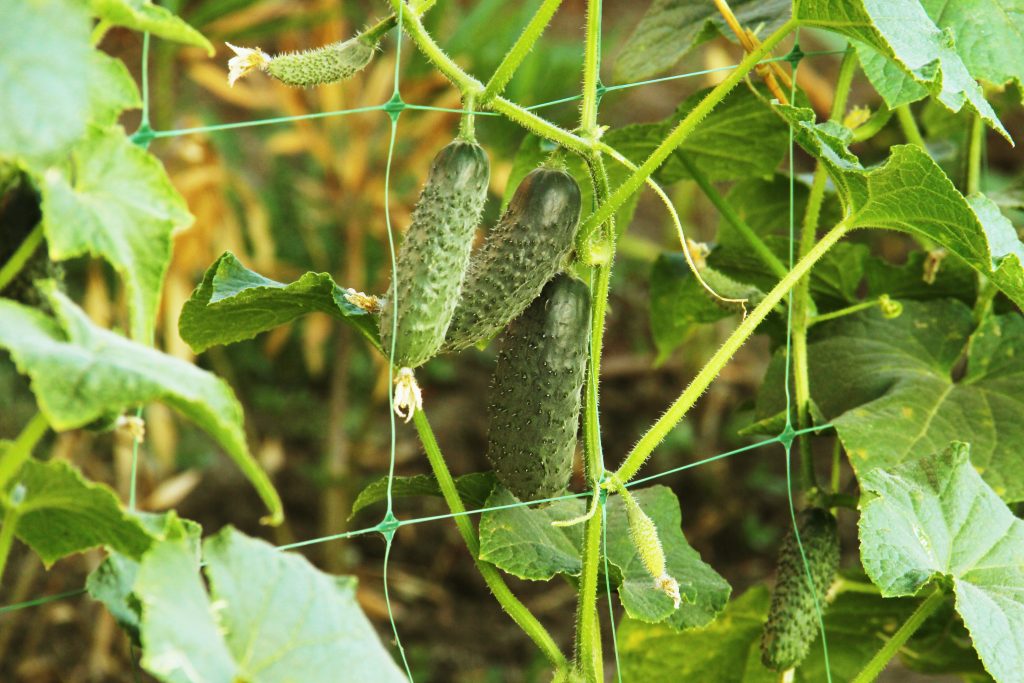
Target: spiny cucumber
[(435, 253), (793, 619), (328, 64), (522, 252), (535, 394)]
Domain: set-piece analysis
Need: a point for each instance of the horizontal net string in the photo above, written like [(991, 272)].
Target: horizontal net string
[(466, 513), (156, 134)]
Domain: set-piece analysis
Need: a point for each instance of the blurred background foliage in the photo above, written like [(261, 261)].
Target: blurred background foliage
[(309, 195)]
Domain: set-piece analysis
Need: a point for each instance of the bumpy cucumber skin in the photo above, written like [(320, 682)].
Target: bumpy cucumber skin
[(523, 251), (792, 624), (535, 393), (328, 64), (434, 255)]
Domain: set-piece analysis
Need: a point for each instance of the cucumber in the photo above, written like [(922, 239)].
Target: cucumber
[(523, 251), (792, 624), (535, 393), (327, 64), (435, 253)]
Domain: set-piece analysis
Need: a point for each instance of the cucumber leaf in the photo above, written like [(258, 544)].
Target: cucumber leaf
[(46, 62), (269, 617), (116, 202), (143, 15), (936, 518), (57, 512), (521, 541), (671, 28), (81, 373), (892, 388), (903, 31), (234, 303), (473, 489), (910, 193)]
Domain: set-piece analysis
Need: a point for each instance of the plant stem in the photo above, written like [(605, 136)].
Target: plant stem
[(20, 449), (591, 70), (684, 128), (849, 310), (734, 219), (909, 126), (20, 257), (589, 660), (432, 51), (540, 126), (7, 527), (802, 292), (873, 125), (660, 429), (975, 150), (878, 663), (511, 604), (517, 53)]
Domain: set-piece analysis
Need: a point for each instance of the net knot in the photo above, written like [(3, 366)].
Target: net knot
[(143, 136), (787, 435), (395, 106), (388, 526), (795, 55)]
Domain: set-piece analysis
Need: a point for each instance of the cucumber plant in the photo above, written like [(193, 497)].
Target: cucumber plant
[(911, 371)]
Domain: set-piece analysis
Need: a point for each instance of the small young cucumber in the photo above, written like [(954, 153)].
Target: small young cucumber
[(434, 256), (535, 394), (792, 624), (327, 64), (523, 251)]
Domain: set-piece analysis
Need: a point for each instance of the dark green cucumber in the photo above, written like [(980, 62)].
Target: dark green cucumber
[(535, 394), (523, 251), (792, 624), (434, 256), (327, 64)]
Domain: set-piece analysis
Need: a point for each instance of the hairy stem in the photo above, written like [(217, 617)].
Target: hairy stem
[(517, 53), (589, 660), (591, 70), (802, 292), (7, 527), (509, 602), (432, 51), (874, 667), (660, 429), (975, 151), (20, 257), (734, 219), (684, 128)]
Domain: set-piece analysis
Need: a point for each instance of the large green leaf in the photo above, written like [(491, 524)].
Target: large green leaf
[(892, 388), (981, 30), (473, 489), (58, 513), (704, 592), (81, 372), (679, 302), (113, 581), (115, 201), (111, 90), (671, 28), (934, 517), (521, 541), (234, 303), (143, 15), (46, 60), (903, 31), (910, 193), (741, 138), (728, 649), (269, 617)]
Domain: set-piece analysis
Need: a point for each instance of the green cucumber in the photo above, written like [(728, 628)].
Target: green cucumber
[(523, 251), (792, 624), (327, 64), (535, 394), (435, 253)]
